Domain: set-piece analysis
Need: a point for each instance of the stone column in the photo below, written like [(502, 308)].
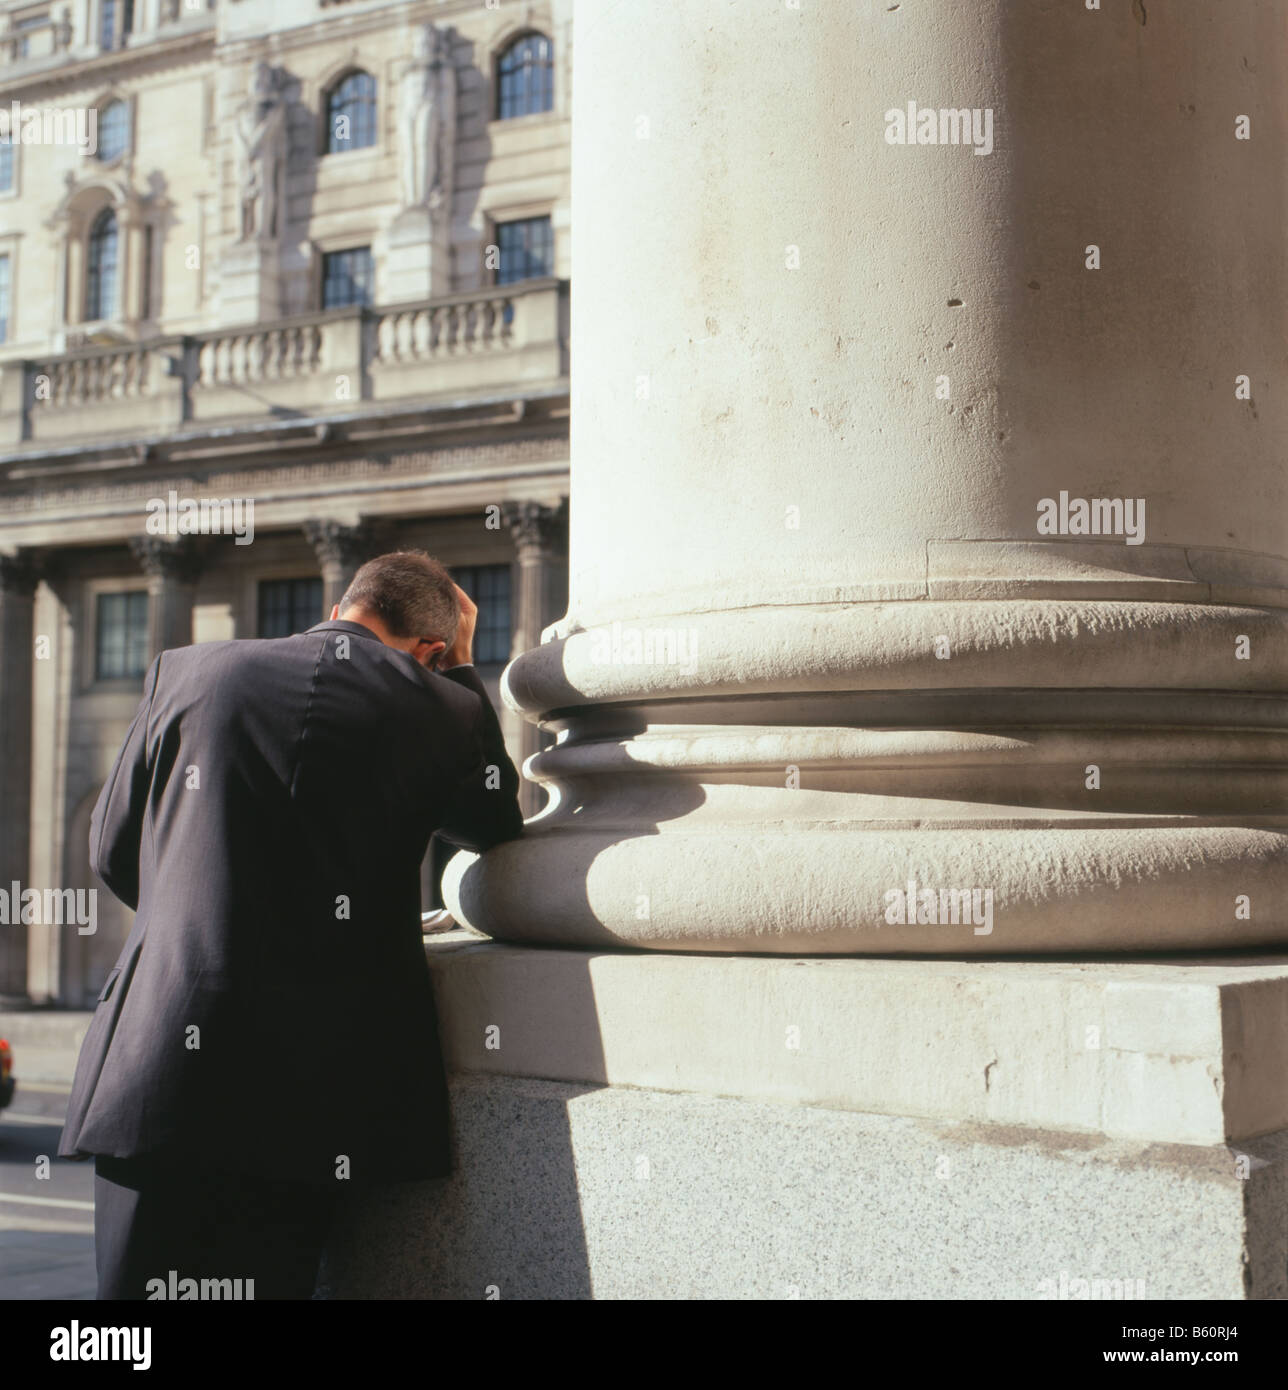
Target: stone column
[(18, 580), (835, 627), (172, 568), (540, 541), (341, 550)]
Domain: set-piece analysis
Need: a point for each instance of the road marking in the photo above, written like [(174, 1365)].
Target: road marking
[(46, 1201), (21, 1117), (55, 1088), (39, 1225)]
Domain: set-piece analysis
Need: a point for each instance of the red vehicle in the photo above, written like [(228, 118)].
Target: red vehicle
[(7, 1082)]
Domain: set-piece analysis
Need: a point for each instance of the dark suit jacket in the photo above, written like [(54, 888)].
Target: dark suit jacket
[(267, 817)]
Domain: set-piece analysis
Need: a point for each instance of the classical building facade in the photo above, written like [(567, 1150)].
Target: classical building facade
[(283, 283)]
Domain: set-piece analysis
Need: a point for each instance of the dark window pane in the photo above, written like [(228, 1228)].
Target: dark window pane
[(287, 606), (6, 166), (101, 298), (489, 587), (351, 113), (348, 277), (121, 635), (527, 250), (525, 77)]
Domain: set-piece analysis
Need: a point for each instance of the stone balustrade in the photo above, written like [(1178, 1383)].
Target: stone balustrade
[(420, 332), (310, 364), (286, 353), (92, 378)]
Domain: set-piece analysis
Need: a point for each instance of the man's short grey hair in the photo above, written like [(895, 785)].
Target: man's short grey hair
[(411, 594)]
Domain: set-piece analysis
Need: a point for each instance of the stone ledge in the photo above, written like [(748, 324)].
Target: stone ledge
[(1169, 1050)]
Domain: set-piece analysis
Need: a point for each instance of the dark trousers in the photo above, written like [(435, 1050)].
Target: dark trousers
[(159, 1214)]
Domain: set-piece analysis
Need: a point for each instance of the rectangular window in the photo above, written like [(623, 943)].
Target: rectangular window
[(6, 286), (6, 166), (115, 22), (288, 606), (121, 635), (347, 277), (489, 587), (527, 250), (107, 24)]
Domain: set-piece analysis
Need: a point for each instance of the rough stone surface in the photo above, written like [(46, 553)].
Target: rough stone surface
[(568, 1192)]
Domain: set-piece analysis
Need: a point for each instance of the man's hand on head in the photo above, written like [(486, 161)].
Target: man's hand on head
[(461, 652)]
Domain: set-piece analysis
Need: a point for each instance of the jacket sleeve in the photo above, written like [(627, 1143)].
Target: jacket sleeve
[(482, 807), (116, 827)]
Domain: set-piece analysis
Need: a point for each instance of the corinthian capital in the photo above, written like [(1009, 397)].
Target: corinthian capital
[(176, 560), (337, 543), (535, 526)]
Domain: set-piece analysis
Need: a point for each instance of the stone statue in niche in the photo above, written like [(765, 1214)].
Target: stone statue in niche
[(261, 157), (427, 123)]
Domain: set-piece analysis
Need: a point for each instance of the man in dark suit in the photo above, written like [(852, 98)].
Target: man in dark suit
[(267, 1039)]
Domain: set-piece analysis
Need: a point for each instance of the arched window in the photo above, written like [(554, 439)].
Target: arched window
[(351, 113), (113, 130), (525, 77), (101, 280)]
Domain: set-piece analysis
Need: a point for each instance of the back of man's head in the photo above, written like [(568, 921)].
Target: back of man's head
[(411, 594)]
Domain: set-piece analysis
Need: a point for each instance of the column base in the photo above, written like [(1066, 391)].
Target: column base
[(650, 1126), (1049, 786)]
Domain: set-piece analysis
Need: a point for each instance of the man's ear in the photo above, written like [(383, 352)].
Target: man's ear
[(335, 612), (433, 650)]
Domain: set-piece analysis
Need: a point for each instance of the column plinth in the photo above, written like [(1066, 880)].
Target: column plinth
[(835, 626)]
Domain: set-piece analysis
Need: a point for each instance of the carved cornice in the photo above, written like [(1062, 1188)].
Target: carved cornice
[(282, 478)]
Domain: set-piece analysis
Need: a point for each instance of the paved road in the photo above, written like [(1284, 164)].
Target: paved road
[(46, 1224)]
